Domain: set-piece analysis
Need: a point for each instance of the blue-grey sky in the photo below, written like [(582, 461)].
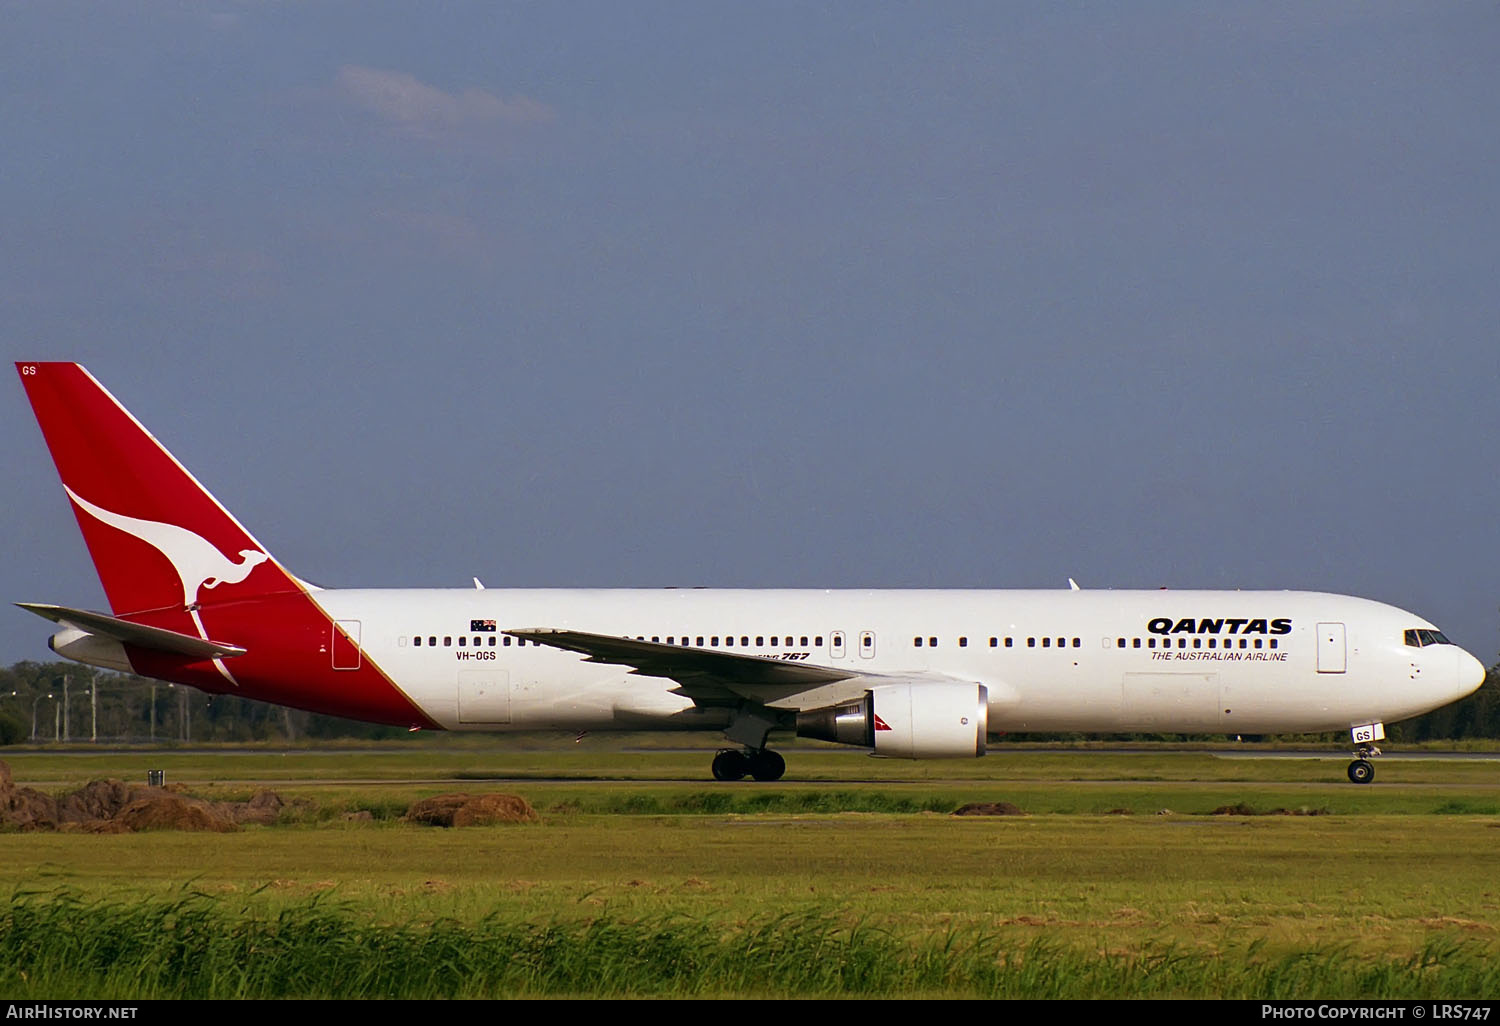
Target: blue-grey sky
[(775, 294)]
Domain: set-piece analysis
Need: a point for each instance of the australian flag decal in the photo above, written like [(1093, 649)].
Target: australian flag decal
[(482, 625)]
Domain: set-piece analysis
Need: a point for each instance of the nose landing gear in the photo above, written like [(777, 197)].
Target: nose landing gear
[(735, 764), (1361, 770)]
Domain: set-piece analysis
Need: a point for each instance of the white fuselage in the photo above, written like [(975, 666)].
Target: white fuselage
[(1099, 661)]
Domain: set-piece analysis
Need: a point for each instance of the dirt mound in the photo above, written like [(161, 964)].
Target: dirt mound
[(22, 808), (111, 806), (988, 809), (162, 810), (1241, 809), (98, 799), (456, 810), (264, 808)]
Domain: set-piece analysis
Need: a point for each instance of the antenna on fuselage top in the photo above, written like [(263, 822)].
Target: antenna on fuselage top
[(1073, 585)]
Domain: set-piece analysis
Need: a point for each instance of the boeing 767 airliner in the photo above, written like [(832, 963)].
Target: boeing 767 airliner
[(196, 599)]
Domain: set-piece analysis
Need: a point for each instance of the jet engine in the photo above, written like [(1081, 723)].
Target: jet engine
[(907, 721), (83, 647)]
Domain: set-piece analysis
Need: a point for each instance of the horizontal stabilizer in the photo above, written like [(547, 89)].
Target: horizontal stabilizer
[(137, 634)]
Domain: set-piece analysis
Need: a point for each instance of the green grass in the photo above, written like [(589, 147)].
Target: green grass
[(547, 758), (1377, 885), (642, 878), (195, 947)]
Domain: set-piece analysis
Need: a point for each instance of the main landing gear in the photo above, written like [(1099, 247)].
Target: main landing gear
[(736, 764)]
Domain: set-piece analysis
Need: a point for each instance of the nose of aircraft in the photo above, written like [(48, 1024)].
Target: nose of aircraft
[(1471, 673)]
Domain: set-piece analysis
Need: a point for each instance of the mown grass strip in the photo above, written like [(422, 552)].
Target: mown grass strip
[(749, 802), (197, 946)]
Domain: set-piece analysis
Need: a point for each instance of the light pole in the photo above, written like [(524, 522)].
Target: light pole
[(34, 701)]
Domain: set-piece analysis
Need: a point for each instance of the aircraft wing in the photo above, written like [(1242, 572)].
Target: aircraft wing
[(137, 634), (707, 676)]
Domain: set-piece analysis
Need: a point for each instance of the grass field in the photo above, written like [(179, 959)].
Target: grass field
[(849, 877)]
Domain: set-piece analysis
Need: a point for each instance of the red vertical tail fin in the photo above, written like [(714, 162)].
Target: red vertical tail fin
[(158, 539), (192, 590)]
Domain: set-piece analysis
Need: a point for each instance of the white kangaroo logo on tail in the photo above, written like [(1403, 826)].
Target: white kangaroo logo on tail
[(198, 563)]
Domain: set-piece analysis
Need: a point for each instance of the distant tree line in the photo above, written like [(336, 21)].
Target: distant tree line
[(53, 702), (49, 702)]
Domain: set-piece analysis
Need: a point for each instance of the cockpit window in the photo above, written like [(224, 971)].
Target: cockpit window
[(1421, 637)]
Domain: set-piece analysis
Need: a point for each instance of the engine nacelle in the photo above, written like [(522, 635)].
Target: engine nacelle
[(83, 647), (907, 721)]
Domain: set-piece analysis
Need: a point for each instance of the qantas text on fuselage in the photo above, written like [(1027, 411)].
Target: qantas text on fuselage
[(1222, 625)]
